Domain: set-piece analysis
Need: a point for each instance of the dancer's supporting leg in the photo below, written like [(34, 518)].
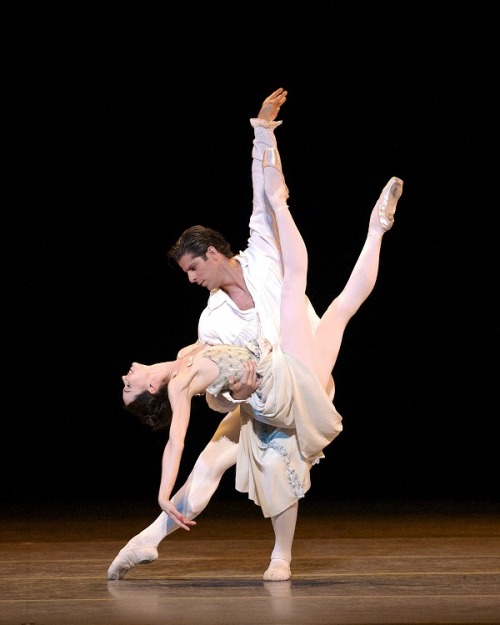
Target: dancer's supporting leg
[(191, 499), (281, 557)]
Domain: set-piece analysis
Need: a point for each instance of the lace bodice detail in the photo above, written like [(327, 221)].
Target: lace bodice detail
[(230, 359)]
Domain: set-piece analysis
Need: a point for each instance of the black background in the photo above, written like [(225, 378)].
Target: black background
[(124, 127)]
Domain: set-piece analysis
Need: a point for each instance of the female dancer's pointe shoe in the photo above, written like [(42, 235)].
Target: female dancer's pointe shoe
[(382, 217), (130, 557), (278, 571), (274, 185)]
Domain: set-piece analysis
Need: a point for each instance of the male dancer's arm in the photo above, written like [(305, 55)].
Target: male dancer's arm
[(263, 231)]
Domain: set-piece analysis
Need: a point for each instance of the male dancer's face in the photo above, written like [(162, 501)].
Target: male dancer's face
[(203, 272)]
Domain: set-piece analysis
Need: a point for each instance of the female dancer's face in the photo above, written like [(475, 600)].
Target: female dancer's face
[(135, 382)]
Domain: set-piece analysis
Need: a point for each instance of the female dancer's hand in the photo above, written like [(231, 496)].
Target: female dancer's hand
[(247, 384), (172, 512)]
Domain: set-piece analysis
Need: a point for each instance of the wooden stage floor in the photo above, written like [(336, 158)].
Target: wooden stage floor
[(353, 563)]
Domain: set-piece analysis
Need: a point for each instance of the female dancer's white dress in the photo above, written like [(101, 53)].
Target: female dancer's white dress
[(291, 416)]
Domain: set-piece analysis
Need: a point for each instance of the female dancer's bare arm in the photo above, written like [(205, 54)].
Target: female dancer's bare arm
[(191, 380)]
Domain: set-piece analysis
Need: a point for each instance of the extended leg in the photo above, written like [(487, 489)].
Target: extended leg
[(296, 331), (191, 499), (360, 284)]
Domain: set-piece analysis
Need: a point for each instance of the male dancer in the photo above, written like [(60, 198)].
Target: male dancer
[(244, 303)]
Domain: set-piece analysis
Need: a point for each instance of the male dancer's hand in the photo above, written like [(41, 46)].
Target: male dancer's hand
[(248, 383), (271, 105)]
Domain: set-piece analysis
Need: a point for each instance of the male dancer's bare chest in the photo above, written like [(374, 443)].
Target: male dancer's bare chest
[(237, 290), (240, 295)]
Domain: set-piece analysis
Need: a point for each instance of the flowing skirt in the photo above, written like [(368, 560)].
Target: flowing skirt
[(285, 427)]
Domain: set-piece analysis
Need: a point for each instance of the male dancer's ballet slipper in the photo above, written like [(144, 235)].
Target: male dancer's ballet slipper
[(278, 571), (382, 217), (129, 557), (274, 185)]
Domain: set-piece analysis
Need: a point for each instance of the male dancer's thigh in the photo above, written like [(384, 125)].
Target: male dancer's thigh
[(229, 428)]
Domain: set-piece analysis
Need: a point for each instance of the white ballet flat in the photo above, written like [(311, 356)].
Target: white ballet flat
[(127, 558), (278, 571)]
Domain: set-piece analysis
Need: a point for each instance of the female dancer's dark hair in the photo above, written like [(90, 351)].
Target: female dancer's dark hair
[(153, 410)]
